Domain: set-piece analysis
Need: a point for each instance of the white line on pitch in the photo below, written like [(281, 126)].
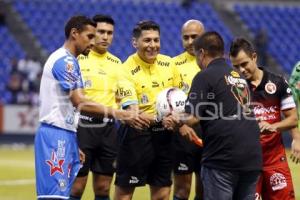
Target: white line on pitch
[(17, 182)]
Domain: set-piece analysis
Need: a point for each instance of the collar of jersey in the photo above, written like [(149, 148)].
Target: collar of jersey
[(94, 53), (68, 52), (137, 58), (189, 56)]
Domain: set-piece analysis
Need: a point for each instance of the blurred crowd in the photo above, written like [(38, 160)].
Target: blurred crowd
[(23, 83)]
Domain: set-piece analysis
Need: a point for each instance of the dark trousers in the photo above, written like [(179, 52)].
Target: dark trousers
[(228, 185)]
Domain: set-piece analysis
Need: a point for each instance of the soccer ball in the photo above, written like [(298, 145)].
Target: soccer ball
[(170, 100)]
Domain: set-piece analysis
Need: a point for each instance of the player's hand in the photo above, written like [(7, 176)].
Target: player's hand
[(266, 127), (171, 122), (81, 156), (136, 120), (189, 133), (295, 150)]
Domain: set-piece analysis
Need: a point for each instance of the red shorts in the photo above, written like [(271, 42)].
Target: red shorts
[(275, 184)]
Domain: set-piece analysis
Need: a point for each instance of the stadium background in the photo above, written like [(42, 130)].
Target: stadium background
[(31, 29)]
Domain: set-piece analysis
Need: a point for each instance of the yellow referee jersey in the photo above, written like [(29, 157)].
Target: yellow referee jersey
[(100, 74), (145, 81), (188, 68)]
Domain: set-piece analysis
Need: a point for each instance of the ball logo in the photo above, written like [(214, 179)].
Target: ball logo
[(278, 181), (170, 100), (179, 103), (270, 88)]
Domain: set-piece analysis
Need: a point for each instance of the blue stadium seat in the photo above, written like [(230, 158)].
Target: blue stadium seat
[(282, 25), (126, 14)]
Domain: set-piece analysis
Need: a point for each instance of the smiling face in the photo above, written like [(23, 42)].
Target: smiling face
[(104, 36), (147, 45), (245, 64)]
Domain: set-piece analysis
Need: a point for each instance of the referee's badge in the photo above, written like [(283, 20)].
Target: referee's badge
[(144, 99), (87, 84), (270, 88)]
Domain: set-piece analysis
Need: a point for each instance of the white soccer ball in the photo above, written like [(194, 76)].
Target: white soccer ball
[(170, 100)]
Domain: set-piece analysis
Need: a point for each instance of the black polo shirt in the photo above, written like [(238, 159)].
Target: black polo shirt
[(219, 97)]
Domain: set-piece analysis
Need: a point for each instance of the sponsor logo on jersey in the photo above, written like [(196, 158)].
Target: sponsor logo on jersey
[(62, 183), (266, 113), (155, 84), (270, 88), (135, 70), (112, 60), (124, 93), (133, 180), (161, 63), (181, 62), (182, 167), (278, 181)]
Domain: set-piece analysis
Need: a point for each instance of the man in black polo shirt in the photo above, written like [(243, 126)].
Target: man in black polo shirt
[(219, 98)]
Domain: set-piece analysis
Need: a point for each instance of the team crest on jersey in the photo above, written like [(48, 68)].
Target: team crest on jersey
[(278, 181), (270, 88), (144, 99)]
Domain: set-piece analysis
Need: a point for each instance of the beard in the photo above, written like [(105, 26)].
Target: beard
[(86, 51)]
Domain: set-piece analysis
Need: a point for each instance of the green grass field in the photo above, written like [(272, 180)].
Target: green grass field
[(17, 177)]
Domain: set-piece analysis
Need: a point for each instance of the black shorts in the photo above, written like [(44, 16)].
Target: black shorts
[(145, 157), (187, 154), (100, 146)]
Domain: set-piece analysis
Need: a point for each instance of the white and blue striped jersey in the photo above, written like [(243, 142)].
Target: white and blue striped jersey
[(61, 74)]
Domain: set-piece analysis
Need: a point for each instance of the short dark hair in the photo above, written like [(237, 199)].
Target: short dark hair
[(212, 42), (79, 22), (144, 25), (241, 44), (104, 18)]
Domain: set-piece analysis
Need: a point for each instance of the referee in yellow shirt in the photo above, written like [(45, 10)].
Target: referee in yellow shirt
[(188, 155), (97, 136), (146, 154)]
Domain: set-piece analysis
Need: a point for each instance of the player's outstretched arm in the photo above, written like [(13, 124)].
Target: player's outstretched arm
[(142, 121), (83, 104), (289, 122)]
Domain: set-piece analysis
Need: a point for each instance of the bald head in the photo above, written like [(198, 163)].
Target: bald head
[(190, 30)]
